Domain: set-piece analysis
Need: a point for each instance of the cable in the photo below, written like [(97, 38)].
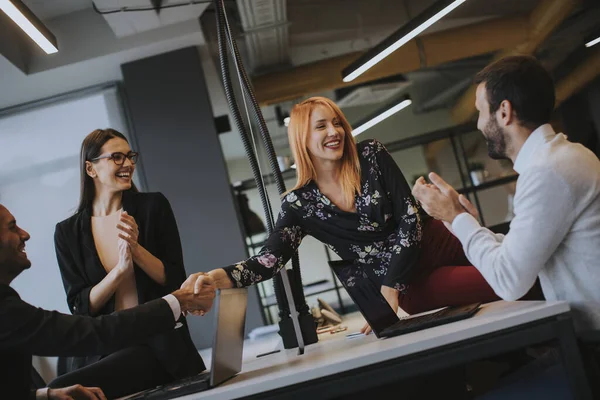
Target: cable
[(222, 35), (252, 136), (298, 291)]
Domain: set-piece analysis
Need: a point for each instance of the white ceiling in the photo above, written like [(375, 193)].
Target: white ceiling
[(48, 9)]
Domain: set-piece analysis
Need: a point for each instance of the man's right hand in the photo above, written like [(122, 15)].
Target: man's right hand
[(76, 392), (197, 300), (217, 276), (468, 206)]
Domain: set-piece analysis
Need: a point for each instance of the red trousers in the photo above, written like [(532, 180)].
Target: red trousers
[(446, 277)]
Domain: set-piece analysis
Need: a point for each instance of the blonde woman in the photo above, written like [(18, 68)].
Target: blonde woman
[(354, 198)]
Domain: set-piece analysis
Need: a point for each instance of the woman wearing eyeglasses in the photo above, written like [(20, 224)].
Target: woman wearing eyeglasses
[(121, 249)]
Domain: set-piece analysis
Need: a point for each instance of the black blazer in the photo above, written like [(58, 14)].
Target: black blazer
[(81, 270), (26, 330)]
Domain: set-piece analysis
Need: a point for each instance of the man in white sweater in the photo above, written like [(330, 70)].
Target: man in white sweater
[(555, 233)]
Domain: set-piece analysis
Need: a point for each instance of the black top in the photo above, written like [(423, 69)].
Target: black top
[(382, 237), (26, 330), (81, 270)]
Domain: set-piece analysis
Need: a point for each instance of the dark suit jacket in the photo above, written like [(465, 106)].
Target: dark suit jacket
[(81, 270), (26, 330)]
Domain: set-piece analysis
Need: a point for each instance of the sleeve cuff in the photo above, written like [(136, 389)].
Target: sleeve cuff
[(82, 307), (41, 394), (229, 270), (174, 304), (464, 225)]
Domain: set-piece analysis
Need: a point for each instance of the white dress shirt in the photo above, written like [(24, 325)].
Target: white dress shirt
[(555, 232)]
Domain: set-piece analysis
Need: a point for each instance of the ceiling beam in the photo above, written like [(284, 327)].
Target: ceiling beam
[(426, 51), (543, 20), (583, 74)]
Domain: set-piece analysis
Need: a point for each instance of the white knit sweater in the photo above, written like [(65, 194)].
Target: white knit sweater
[(555, 233)]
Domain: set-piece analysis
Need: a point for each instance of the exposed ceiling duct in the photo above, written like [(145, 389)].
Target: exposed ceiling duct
[(265, 32)]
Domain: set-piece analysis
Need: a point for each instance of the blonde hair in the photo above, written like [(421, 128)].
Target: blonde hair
[(298, 129)]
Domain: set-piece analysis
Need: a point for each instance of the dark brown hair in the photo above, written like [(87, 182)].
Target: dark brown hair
[(525, 83), (90, 149)]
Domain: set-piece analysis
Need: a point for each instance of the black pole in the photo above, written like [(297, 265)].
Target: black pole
[(306, 321)]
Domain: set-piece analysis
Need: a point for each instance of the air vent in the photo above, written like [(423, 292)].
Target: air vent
[(374, 92)]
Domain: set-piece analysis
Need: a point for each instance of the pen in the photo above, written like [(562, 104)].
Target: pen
[(270, 352), (355, 334)]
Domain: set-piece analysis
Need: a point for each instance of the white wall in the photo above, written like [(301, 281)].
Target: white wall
[(39, 183)]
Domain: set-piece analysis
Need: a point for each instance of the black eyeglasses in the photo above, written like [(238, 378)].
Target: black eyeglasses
[(119, 158)]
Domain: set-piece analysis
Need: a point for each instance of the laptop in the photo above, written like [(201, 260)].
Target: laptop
[(227, 348), (384, 322)]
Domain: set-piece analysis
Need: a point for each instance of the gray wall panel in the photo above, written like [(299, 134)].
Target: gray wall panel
[(173, 123)]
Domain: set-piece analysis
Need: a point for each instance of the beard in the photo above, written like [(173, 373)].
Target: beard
[(495, 139), (12, 264)]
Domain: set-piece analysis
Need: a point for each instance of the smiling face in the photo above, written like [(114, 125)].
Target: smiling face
[(325, 141), (13, 259), (495, 136), (107, 175)]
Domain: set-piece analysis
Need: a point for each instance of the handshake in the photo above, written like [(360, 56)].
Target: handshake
[(196, 294)]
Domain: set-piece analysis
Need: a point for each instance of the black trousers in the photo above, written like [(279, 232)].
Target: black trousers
[(119, 374)]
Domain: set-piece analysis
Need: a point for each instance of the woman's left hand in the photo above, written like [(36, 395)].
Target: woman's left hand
[(129, 231), (391, 296)]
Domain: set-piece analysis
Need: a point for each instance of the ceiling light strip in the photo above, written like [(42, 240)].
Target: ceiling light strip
[(406, 34), (25, 19), (386, 114)]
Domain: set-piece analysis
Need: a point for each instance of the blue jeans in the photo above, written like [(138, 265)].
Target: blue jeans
[(545, 378)]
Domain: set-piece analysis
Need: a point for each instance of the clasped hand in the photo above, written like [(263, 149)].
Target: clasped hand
[(199, 291)]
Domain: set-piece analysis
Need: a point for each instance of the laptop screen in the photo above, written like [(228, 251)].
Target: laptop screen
[(228, 342), (366, 294)]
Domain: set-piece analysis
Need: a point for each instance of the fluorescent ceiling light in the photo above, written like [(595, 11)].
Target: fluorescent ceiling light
[(377, 119), (593, 42), (399, 38), (29, 23)]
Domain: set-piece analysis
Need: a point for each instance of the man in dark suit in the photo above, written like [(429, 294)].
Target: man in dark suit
[(26, 330)]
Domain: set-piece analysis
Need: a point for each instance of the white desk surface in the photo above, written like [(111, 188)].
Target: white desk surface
[(334, 353)]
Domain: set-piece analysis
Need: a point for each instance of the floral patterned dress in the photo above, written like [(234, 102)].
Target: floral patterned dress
[(382, 237)]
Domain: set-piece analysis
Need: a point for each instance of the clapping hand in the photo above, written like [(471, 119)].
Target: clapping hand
[(129, 231), (125, 260), (440, 200)]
